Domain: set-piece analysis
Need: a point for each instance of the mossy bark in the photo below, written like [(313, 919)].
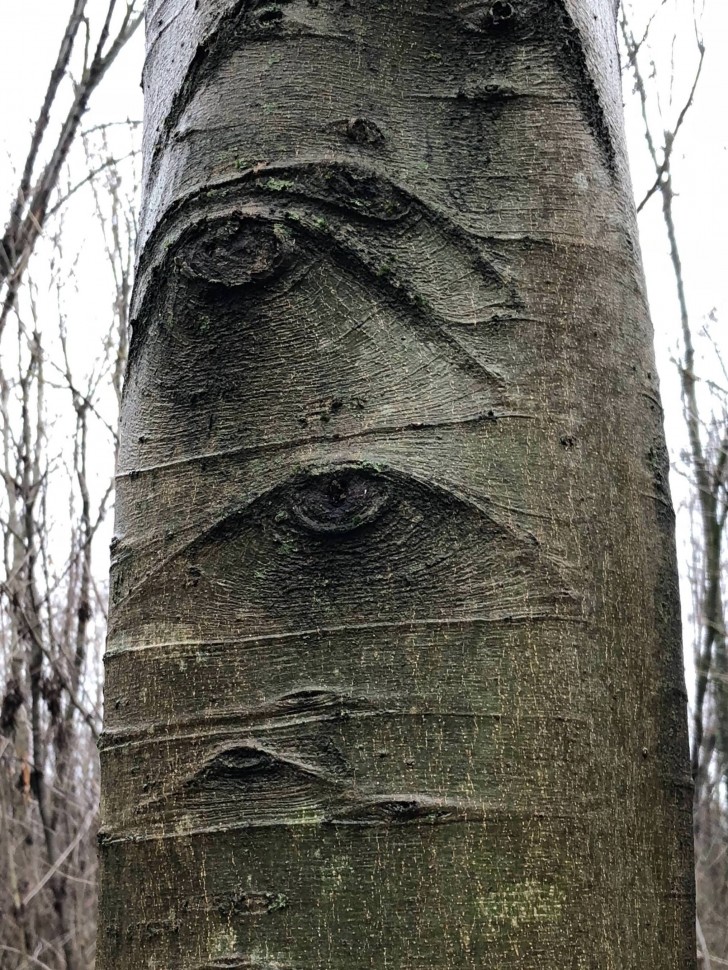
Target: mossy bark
[(394, 672)]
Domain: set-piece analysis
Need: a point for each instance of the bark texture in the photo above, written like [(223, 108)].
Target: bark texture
[(394, 674)]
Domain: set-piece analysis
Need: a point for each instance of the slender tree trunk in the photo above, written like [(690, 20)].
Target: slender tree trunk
[(394, 672)]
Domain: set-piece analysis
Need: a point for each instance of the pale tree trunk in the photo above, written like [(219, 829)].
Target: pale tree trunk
[(394, 672)]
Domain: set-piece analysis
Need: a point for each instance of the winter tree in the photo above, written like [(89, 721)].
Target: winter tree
[(394, 672)]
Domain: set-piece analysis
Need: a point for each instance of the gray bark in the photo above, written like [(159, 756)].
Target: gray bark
[(394, 671)]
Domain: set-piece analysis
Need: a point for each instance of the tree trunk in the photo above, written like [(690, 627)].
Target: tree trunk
[(394, 671)]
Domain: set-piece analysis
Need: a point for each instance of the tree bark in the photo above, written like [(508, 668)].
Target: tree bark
[(394, 671)]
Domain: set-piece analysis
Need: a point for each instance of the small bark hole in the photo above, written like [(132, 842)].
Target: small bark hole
[(501, 12)]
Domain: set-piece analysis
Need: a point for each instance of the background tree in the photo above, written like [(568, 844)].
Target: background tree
[(666, 101), (58, 412), (394, 672), (60, 373)]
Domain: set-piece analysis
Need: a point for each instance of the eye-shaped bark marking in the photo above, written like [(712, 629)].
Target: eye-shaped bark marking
[(303, 780), (244, 762), (355, 543), (247, 782), (235, 252), (416, 250), (313, 706), (352, 216), (416, 331)]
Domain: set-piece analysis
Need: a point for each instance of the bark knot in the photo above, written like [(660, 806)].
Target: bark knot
[(501, 12), (340, 501), (363, 131)]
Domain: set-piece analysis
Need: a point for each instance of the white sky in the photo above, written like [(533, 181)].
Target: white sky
[(29, 34), (700, 179)]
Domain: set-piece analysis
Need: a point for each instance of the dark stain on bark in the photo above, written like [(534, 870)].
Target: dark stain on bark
[(13, 700), (512, 23), (159, 928), (658, 463), (574, 64), (269, 15), (501, 13)]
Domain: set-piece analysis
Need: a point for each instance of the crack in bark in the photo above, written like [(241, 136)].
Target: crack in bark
[(414, 809), (240, 961), (488, 418)]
